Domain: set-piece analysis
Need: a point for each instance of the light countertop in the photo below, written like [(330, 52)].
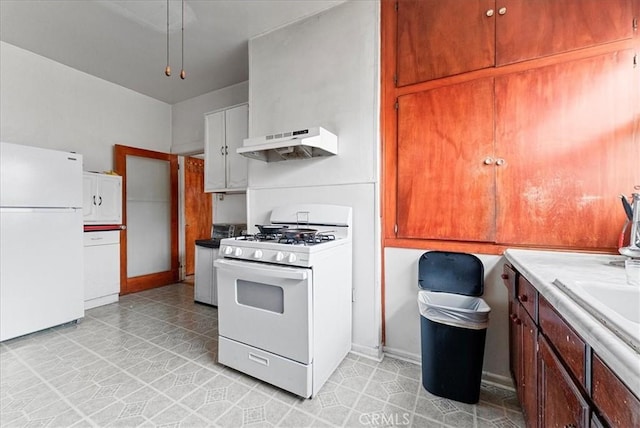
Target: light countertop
[(543, 268)]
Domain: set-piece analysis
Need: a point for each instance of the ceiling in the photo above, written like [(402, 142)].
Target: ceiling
[(125, 42)]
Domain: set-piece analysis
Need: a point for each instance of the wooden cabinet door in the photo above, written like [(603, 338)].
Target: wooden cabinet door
[(439, 38), (561, 404), (559, 26), (445, 190), (566, 133), (528, 370)]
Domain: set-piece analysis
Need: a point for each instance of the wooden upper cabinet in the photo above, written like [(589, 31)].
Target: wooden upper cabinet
[(439, 38), (558, 26), (445, 190), (566, 133)]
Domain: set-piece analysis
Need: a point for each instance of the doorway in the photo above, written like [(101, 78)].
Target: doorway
[(197, 210), (149, 243)]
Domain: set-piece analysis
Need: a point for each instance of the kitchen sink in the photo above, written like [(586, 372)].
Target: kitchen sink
[(615, 306)]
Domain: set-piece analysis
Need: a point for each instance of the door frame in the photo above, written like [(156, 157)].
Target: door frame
[(156, 279)]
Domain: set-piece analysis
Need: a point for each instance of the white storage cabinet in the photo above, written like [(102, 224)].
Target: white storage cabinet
[(102, 198), (224, 169), (101, 268)]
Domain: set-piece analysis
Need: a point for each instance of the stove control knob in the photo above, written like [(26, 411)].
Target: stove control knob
[(237, 252), (292, 258), (227, 251), (257, 254), (279, 256)]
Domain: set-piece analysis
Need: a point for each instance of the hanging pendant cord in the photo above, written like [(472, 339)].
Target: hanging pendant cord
[(183, 74), (167, 70)]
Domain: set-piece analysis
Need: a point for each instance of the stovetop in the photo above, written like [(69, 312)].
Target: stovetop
[(280, 238)]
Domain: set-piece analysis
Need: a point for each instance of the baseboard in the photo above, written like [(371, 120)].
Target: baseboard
[(490, 378), (367, 352), (402, 355)]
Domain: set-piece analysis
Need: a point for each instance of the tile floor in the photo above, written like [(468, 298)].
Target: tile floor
[(150, 360)]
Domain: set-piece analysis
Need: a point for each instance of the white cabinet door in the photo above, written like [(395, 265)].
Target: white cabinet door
[(89, 207), (110, 198), (224, 132), (214, 152), (236, 125), (101, 264)]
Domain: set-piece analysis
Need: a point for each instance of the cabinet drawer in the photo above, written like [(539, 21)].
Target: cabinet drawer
[(528, 296), (616, 404), (570, 346), (107, 237), (274, 369)]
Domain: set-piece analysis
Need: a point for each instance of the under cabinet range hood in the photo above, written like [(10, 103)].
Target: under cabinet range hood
[(300, 144)]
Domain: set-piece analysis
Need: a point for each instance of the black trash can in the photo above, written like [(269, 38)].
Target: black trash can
[(453, 324)]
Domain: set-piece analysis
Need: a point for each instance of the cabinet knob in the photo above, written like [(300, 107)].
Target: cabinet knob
[(502, 11), (504, 276), (523, 298), (488, 161), (500, 162), (490, 12)]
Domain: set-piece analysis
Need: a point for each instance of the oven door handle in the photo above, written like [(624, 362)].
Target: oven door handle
[(267, 271)]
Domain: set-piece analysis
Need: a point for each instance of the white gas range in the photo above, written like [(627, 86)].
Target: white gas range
[(284, 297)]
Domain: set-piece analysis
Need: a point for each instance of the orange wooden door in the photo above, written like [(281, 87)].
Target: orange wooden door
[(559, 26), (445, 190), (164, 270), (566, 133), (197, 210), (439, 38)]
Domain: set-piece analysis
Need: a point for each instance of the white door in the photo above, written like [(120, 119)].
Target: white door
[(266, 306)]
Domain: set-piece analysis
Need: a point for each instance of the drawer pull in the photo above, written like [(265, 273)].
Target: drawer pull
[(515, 319), (258, 359), (523, 298)]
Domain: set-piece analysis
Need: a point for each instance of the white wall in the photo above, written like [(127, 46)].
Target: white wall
[(323, 71), (188, 116), (46, 104), (402, 318)]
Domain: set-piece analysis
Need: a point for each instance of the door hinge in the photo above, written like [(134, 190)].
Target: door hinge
[(634, 24), (635, 60), (396, 6), (395, 229), (395, 79), (396, 106)]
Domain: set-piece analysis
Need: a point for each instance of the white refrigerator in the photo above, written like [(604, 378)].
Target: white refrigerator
[(41, 241)]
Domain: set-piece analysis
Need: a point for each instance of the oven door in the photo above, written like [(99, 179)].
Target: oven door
[(266, 306)]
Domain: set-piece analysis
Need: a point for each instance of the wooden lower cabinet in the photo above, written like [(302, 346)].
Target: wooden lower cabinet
[(561, 403), (618, 406), (559, 380)]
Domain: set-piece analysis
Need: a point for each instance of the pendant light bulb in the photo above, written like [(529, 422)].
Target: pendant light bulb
[(167, 71), (183, 74)]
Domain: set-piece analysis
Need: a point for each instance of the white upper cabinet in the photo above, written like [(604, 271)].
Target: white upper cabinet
[(102, 198), (224, 169)]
